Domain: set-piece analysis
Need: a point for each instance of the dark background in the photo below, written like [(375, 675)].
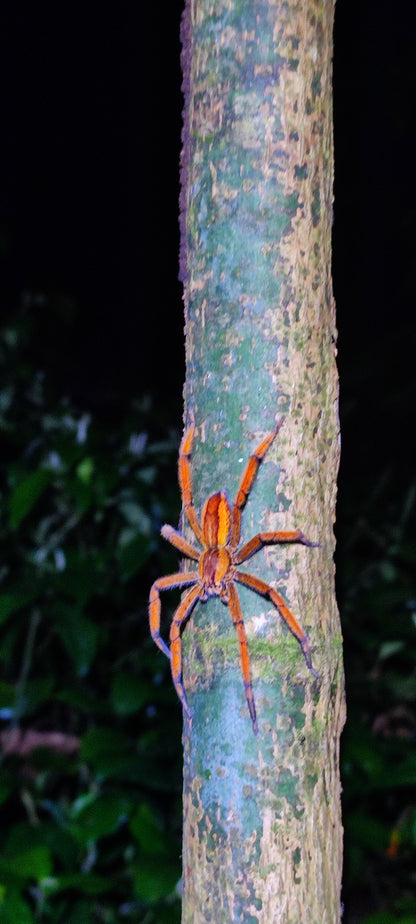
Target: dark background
[(91, 113), (89, 243), (89, 192)]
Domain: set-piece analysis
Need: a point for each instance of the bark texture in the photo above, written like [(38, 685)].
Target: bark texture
[(262, 826)]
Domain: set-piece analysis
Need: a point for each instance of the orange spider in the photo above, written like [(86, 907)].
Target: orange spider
[(219, 534)]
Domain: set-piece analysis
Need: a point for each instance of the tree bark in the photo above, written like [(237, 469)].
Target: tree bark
[(262, 827)]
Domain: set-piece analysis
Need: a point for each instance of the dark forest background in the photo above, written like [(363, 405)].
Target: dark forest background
[(91, 375)]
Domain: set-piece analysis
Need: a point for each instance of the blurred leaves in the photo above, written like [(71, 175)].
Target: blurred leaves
[(129, 693), (25, 494), (377, 598), (87, 732)]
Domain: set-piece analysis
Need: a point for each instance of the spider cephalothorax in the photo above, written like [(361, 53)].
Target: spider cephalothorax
[(219, 535)]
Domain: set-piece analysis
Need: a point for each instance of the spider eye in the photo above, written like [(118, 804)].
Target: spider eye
[(216, 520)]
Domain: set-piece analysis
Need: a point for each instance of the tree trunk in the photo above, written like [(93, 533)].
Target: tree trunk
[(262, 827)]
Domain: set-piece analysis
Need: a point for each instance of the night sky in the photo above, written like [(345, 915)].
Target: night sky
[(91, 118)]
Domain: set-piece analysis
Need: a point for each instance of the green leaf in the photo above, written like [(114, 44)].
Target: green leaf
[(367, 831), (103, 816), (7, 695), (136, 516), (79, 635), (147, 829), (34, 863), (381, 917), (128, 693), (390, 648), (5, 791), (154, 880), (15, 600), (100, 741), (87, 883), (14, 909), (387, 917), (110, 754), (35, 692), (170, 912), (133, 552), (85, 470), (80, 913), (59, 839), (80, 699), (25, 494), (81, 578)]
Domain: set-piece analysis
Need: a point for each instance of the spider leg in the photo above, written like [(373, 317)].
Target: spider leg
[(175, 538), (262, 539), (185, 481), (181, 579), (182, 614), (237, 617), (260, 587), (247, 482)]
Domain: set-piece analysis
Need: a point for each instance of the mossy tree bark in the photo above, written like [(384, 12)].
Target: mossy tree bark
[(262, 827)]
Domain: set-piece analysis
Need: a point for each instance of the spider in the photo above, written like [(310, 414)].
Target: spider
[(219, 535)]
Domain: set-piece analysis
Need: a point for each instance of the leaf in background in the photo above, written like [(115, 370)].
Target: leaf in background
[(54, 834), (128, 693), (154, 880), (133, 552), (170, 912), (86, 883), (101, 817), (147, 829), (34, 863), (25, 494), (390, 648), (367, 831), (101, 741), (81, 578), (80, 912), (135, 515), (386, 917), (14, 909), (109, 753), (6, 789), (14, 600), (85, 470), (78, 634), (7, 696), (35, 692), (81, 699)]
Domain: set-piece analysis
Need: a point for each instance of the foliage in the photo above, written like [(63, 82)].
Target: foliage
[(377, 596), (90, 774)]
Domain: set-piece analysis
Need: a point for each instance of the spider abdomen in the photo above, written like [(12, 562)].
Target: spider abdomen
[(214, 567)]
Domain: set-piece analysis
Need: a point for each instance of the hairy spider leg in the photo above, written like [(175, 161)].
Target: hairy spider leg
[(185, 481), (181, 579), (175, 538), (247, 482), (260, 587), (237, 617), (258, 542), (182, 614)]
